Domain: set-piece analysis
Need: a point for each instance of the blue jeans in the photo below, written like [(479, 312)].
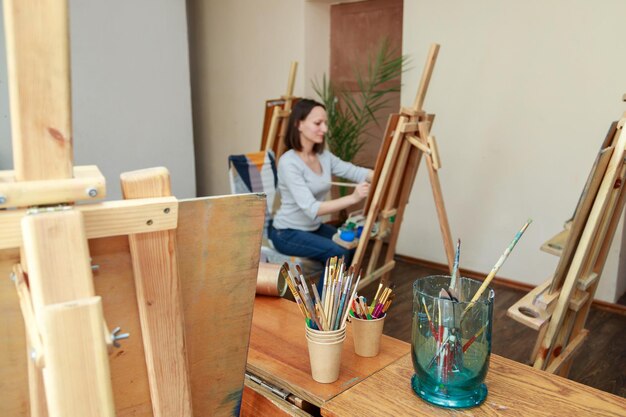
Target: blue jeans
[(317, 244)]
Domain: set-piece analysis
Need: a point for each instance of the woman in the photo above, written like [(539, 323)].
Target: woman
[(305, 171)]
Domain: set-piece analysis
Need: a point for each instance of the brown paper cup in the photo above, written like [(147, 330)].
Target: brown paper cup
[(366, 334), (325, 359), (270, 281)]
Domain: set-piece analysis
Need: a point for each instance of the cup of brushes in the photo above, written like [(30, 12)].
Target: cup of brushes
[(451, 335), (325, 314), (368, 321)]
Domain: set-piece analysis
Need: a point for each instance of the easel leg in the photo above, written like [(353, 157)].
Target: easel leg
[(159, 300), (424, 128), (77, 376), (67, 315)]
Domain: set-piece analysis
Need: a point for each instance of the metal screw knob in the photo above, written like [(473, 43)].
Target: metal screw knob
[(116, 335)]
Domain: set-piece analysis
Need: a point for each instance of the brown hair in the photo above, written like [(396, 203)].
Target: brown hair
[(300, 112)]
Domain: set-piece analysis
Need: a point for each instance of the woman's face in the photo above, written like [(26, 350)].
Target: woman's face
[(313, 127)]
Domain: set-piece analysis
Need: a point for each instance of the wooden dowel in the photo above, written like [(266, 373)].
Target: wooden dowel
[(425, 81)]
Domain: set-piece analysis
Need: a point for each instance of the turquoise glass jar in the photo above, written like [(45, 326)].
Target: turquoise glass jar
[(451, 341)]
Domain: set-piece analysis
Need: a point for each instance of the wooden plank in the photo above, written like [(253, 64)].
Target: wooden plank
[(77, 376), (38, 66), (109, 218), (278, 322), (514, 390), (218, 279), (159, 299), (87, 183)]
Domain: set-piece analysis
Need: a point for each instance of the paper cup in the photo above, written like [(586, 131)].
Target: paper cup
[(325, 335), (366, 334), (326, 340), (325, 359)]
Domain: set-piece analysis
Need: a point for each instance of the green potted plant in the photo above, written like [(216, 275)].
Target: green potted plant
[(349, 114)]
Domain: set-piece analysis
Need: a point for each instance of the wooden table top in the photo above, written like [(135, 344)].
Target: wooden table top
[(278, 353), (514, 390)]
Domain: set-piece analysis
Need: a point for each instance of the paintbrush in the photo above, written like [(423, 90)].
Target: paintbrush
[(325, 282), (352, 298), (430, 322), (318, 306), (343, 184), (293, 290), (455, 279), (380, 286), (496, 267)]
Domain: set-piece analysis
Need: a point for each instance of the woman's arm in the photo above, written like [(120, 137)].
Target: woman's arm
[(332, 206)]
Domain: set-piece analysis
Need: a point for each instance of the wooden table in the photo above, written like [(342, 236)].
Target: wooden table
[(514, 390), (278, 355)]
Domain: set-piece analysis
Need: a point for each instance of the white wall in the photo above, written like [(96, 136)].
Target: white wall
[(130, 91), (524, 93), (244, 53)]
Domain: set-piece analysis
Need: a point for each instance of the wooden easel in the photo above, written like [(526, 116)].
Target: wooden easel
[(273, 137), (407, 138), (173, 319), (558, 308)]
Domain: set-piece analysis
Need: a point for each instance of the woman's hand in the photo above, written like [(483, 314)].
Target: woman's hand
[(361, 191), (333, 206)]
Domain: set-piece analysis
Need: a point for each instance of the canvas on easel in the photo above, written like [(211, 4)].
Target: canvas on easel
[(407, 138)]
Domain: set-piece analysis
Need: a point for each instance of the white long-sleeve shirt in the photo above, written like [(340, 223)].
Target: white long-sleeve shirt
[(302, 190)]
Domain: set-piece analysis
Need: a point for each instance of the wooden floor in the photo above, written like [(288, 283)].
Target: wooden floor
[(601, 362)]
